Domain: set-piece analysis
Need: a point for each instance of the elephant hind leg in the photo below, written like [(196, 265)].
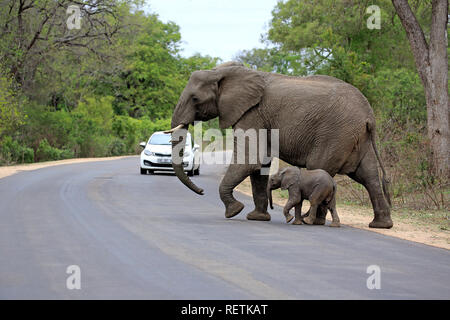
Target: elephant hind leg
[(334, 216), (367, 175), (332, 166), (259, 190)]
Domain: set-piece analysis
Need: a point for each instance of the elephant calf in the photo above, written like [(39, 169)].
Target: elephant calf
[(317, 186)]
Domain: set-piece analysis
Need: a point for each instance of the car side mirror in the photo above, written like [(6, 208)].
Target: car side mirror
[(196, 147), (143, 144)]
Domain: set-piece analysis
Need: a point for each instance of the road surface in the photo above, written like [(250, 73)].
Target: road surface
[(136, 236)]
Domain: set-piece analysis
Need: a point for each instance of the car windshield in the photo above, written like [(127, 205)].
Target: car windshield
[(163, 139)]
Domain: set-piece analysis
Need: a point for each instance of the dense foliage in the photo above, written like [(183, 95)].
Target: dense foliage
[(96, 91)]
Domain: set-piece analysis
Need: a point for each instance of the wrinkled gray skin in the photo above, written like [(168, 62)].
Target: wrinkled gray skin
[(317, 186), (324, 123)]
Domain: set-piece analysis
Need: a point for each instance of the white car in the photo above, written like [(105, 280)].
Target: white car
[(157, 154)]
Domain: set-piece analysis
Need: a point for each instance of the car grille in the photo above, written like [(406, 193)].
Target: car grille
[(162, 155), (161, 165)]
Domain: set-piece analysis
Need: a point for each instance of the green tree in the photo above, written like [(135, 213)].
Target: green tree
[(93, 91), (431, 59), (11, 114), (34, 30), (273, 60), (331, 37)]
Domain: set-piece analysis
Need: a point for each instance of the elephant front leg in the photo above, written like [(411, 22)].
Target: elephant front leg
[(286, 213), (298, 214), (321, 213), (312, 214), (235, 174), (259, 187), (314, 199)]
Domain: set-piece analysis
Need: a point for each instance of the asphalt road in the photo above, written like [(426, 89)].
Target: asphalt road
[(150, 237)]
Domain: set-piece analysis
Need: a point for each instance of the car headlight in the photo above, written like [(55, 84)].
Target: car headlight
[(149, 153)]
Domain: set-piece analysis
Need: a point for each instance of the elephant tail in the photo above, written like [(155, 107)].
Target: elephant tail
[(334, 189), (332, 195), (386, 184)]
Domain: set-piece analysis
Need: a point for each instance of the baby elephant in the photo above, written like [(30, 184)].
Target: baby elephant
[(317, 186)]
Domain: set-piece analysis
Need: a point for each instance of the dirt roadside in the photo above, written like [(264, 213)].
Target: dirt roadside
[(405, 227), (10, 170)]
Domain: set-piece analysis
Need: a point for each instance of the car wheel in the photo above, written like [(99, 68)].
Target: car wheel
[(191, 172), (197, 171), (143, 171)]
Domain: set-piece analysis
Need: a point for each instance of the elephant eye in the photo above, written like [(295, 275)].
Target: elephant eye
[(195, 99)]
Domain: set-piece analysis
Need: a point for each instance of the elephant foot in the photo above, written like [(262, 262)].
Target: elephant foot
[(320, 216), (308, 220), (381, 223), (319, 221), (297, 222), (259, 216), (233, 209), (335, 224), (289, 218)]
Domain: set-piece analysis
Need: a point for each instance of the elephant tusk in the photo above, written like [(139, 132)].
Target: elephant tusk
[(174, 129)]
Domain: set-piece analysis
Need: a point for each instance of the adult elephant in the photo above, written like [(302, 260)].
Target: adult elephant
[(323, 122)]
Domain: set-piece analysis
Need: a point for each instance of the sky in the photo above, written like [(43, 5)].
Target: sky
[(218, 28)]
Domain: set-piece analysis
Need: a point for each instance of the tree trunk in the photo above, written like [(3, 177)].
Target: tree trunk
[(432, 65), (437, 103)]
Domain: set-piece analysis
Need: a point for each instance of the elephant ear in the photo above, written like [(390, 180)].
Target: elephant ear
[(288, 179), (240, 89)]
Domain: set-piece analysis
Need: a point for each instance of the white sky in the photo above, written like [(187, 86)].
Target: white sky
[(219, 28)]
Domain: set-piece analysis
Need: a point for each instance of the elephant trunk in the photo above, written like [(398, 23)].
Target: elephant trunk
[(179, 136), (269, 195)]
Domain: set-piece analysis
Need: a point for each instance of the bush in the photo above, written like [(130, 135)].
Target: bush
[(131, 131), (399, 95), (45, 152), (66, 154), (116, 147), (12, 151)]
